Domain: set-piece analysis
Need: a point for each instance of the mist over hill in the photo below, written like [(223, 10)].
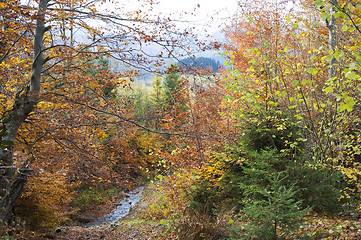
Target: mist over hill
[(199, 59), (192, 63)]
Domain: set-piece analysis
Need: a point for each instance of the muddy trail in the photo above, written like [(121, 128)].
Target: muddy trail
[(103, 228)]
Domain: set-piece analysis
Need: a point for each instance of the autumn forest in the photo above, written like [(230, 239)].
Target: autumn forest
[(262, 144)]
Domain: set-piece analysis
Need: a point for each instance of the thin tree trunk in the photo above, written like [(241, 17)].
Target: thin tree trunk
[(332, 39)]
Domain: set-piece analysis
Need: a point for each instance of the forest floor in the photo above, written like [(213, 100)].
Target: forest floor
[(132, 226), (137, 226)]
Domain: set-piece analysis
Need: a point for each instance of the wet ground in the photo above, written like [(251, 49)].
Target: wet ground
[(123, 208)]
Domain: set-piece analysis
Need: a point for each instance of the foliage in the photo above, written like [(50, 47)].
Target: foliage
[(91, 196), (320, 187), (139, 100), (205, 217), (172, 85), (199, 225), (273, 130), (175, 94), (315, 226), (261, 190), (271, 188), (137, 155), (56, 94), (272, 210), (317, 186), (283, 63), (147, 147), (206, 190), (277, 136), (170, 196), (45, 202), (157, 92)]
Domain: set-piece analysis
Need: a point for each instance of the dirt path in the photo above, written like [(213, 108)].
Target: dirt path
[(102, 228)]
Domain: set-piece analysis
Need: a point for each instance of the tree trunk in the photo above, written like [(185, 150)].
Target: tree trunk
[(332, 39), (11, 184), (8, 180)]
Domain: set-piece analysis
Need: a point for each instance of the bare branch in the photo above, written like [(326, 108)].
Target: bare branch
[(12, 46)]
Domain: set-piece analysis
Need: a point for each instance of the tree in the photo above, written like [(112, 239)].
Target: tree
[(301, 64), (24, 104), (48, 99), (172, 85), (156, 94), (194, 64)]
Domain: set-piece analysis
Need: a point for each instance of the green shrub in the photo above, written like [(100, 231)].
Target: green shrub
[(319, 187), (271, 210), (205, 197), (91, 196), (272, 130), (268, 180)]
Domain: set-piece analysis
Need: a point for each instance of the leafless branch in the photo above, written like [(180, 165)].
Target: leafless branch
[(12, 46)]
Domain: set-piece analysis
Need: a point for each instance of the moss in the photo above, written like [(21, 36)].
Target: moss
[(6, 119), (3, 128), (6, 143), (3, 132)]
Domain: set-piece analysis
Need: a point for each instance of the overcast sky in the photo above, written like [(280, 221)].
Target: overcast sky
[(214, 12), (205, 6), (198, 12)]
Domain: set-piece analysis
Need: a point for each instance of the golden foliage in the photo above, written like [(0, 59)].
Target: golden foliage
[(169, 196), (45, 202)]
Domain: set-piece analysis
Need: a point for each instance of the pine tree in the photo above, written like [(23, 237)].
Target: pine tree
[(172, 87), (271, 210), (156, 94)]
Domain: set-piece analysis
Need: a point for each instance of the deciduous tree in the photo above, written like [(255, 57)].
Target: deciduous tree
[(53, 110)]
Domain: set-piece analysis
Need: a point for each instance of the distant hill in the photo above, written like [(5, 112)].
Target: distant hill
[(191, 63)]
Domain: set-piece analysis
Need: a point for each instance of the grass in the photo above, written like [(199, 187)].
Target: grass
[(142, 223)]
